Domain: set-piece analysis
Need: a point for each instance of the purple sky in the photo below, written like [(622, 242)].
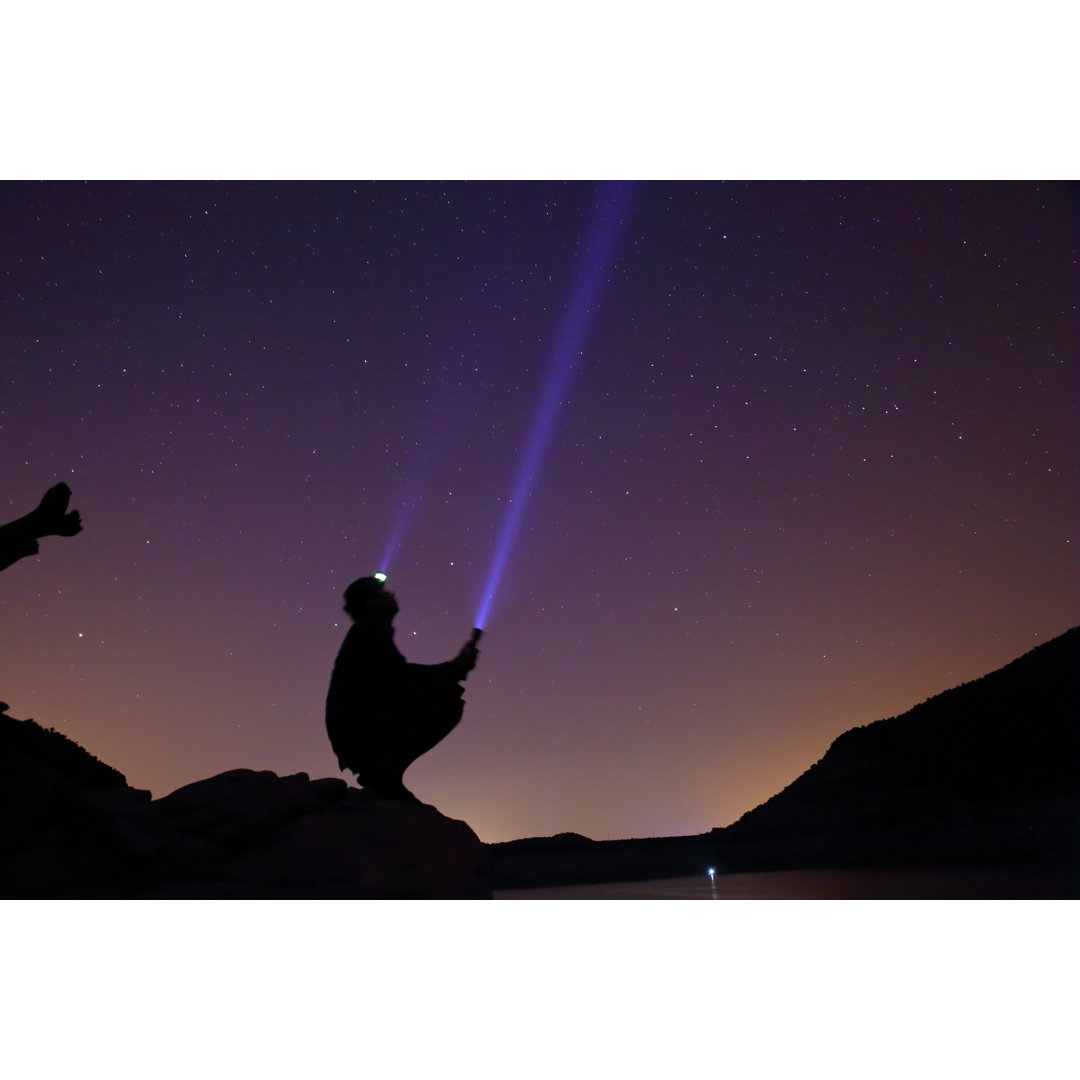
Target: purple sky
[(816, 462)]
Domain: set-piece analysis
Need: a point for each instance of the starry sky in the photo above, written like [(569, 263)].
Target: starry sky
[(815, 461)]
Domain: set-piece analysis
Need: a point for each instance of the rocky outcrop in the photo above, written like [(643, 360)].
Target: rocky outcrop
[(988, 772), (71, 827)]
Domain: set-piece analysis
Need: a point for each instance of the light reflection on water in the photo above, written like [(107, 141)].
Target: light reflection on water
[(879, 883)]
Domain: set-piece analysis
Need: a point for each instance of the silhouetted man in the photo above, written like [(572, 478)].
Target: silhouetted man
[(50, 517), (382, 712)]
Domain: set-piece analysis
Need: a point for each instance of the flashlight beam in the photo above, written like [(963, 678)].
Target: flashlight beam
[(595, 262)]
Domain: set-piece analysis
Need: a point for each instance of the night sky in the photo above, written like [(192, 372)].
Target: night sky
[(816, 461)]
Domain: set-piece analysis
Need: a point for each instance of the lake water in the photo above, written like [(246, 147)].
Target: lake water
[(897, 883)]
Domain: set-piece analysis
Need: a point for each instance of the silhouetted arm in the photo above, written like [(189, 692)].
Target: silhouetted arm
[(456, 669), (50, 517), (14, 546)]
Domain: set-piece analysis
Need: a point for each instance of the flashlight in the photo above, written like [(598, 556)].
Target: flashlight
[(380, 576), (475, 636)]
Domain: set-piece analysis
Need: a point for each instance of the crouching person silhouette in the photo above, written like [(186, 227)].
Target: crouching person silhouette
[(382, 712)]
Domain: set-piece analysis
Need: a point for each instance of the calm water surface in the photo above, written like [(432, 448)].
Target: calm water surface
[(899, 883)]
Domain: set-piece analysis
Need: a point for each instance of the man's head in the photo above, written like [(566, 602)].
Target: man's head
[(369, 595)]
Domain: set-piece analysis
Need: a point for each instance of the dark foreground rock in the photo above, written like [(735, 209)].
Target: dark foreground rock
[(72, 828)]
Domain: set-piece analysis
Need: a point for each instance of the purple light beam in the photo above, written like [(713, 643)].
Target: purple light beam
[(595, 262), (403, 521)]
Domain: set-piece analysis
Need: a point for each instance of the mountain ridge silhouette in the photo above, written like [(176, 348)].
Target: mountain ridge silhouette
[(986, 772)]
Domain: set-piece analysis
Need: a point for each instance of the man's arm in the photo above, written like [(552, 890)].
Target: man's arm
[(456, 669), (50, 517)]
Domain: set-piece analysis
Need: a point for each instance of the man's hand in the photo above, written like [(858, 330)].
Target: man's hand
[(51, 518), (466, 659)]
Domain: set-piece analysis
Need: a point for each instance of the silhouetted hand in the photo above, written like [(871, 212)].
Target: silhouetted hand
[(465, 660), (51, 518), (69, 525)]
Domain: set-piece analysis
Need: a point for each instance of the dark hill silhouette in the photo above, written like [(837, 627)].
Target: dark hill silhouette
[(986, 772), (65, 755), (572, 859)]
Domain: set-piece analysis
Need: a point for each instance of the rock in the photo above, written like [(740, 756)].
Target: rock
[(72, 828), (293, 838), (240, 806)]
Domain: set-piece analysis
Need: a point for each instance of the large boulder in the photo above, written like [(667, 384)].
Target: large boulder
[(293, 838), (71, 828)]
